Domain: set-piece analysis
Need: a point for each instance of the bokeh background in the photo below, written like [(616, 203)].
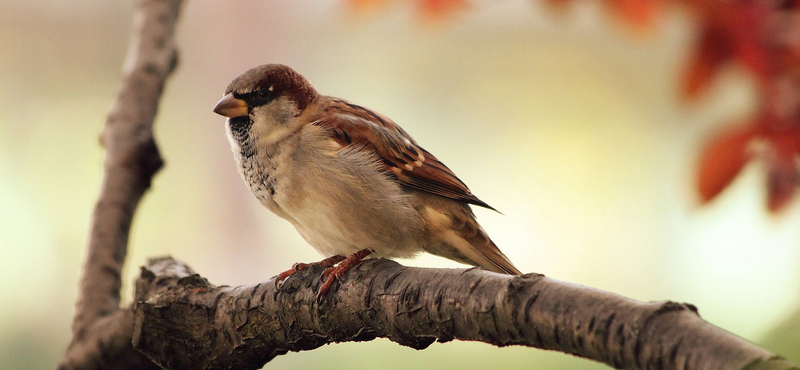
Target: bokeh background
[(568, 122)]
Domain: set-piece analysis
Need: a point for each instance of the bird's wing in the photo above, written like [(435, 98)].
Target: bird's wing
[(413, 166)]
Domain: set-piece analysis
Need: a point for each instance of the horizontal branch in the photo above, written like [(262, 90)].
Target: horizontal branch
[(184, 322)]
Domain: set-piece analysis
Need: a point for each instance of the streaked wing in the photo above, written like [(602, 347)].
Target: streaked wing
[(413, 166)]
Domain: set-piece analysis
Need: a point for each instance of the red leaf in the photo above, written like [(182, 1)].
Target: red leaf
[(640, 13), (781, 184), (436, 10), (723, 159), (729, 31), (747, 30), (711, 52), (783, 174)]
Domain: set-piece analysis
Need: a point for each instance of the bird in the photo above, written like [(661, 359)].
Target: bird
[(351, 181)]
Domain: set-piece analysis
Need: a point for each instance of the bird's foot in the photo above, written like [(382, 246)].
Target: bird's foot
[(336, 272), (328, 262)]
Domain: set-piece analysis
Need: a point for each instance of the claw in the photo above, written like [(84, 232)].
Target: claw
[(323, 289), (328, 262), (336, 272)]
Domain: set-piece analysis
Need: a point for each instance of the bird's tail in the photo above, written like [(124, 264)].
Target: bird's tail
[(465, 241), (484, 252)]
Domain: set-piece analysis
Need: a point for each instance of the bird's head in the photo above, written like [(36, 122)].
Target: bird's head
[(266, 101)]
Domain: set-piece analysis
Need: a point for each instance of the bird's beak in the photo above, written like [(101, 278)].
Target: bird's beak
[(231, 107)]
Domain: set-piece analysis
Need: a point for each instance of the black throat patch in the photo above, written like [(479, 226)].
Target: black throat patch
[(240, 131)]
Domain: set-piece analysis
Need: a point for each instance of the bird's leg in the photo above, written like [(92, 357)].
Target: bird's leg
[(336, 272), (328, 262)]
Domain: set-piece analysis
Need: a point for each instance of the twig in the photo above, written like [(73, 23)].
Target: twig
[(132, 159)]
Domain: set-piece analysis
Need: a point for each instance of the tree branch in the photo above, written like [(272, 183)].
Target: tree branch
[(184, 322), (132, 159)]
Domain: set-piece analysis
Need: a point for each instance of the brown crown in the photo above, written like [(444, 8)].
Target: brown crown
[(283, 80)]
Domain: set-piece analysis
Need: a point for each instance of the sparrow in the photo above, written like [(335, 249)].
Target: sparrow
[(352, 182)]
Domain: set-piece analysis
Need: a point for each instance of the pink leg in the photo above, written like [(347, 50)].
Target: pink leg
[(336, 272), (328, 262)]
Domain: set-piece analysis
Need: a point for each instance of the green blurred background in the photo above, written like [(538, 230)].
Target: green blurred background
[(567, 122)]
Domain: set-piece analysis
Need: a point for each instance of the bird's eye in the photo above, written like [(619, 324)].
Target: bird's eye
[(260, 97)]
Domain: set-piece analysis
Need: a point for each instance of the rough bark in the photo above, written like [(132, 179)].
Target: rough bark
[(184, 322), (132, 159)]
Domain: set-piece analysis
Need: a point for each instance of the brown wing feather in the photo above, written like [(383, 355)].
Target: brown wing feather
[(411, 164)]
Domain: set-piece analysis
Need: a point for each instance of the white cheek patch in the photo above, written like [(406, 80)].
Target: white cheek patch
[(274, 122), (234, 143)]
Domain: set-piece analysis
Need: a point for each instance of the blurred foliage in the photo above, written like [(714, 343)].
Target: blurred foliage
[(759, 35)]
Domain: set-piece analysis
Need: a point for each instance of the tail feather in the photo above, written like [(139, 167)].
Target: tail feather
[(456, 234), (492, 258), (467, 242)]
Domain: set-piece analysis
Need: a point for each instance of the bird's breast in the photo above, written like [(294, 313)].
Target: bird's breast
[(258, 170)]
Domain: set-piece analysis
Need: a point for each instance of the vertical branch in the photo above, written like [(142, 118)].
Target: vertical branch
[(132, 159)]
